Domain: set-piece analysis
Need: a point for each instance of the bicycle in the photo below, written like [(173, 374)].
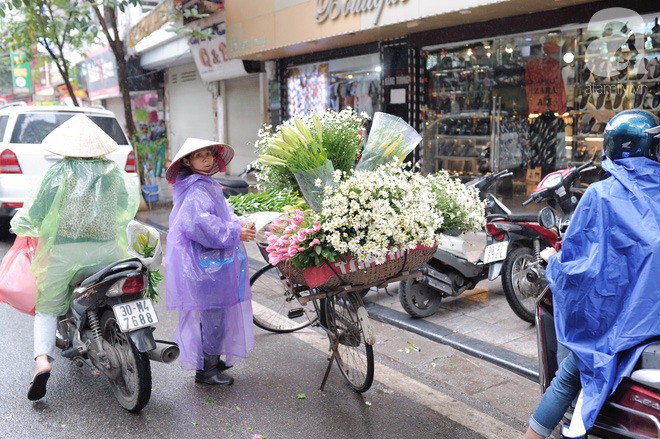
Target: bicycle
[(338, 310)]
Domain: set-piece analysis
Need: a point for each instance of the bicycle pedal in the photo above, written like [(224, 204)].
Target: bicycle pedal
[(294, 313)]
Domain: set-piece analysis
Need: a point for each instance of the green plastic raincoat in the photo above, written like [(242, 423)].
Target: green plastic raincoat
[(79, 214)]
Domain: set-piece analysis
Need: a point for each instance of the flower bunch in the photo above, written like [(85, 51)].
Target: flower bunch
[(390, 138), (296, 146), (340, 141), (145, 246), (298, 237), (273, 178), (372, 213), (460, 205), (341, 136)]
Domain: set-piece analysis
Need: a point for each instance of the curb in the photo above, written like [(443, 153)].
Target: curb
[(501, 357)]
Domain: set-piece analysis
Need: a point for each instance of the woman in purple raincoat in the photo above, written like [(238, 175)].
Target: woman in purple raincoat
[(207, 272)]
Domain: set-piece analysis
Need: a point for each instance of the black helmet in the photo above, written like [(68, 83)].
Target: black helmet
[(631, 133)]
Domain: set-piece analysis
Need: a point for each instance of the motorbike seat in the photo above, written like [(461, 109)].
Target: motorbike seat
[(648, 377), (649, 367), (92, 274), (514, 217), (234, 183)]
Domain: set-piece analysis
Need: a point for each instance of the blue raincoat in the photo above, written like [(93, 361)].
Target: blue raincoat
[(605, 280), (207, 274)]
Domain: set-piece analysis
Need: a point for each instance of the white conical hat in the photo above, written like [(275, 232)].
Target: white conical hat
[(79, 137), (222, 154)]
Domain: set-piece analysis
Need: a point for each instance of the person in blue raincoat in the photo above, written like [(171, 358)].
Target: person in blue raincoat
[(207, 273), (605, 279)]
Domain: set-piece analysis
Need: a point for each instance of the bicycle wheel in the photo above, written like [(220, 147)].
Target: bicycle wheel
[(355, 358), (274, 308)]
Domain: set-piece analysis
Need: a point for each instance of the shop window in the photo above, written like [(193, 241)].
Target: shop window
[(335, 85), (499, 104)]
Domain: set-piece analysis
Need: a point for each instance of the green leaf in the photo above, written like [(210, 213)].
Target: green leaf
[(301, 396)]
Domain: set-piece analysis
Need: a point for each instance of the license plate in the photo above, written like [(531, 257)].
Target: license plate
[(135, 315), (495, 252)]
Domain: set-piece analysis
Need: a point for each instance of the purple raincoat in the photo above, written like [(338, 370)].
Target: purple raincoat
[(207, 274)]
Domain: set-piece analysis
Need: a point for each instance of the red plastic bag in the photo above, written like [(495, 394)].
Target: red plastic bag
[(18, 288)]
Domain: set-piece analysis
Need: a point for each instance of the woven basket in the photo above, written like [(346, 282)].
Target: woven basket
[(411, 260), (418, 257)]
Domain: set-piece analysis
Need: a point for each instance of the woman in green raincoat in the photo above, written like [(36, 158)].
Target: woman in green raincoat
[(79, 214)]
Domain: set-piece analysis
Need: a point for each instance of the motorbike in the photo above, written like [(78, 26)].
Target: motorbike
[(236, 185), (109, 327), (518, 239), (633, 409), (450, 273)]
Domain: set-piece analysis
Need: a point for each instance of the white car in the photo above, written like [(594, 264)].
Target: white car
[(23, 160)]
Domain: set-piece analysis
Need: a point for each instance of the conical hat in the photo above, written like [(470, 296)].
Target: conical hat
[(222, 155), (79, 137)]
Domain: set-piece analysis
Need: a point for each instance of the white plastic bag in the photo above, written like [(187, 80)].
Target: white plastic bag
[(136, 228)]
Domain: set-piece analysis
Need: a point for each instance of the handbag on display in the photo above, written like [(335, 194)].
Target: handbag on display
[(18, 288)]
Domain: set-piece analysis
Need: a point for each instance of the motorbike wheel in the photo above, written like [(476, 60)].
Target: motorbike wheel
[(520, 292), (417, 299), (132, 387)]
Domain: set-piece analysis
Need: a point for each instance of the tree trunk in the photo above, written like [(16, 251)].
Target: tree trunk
[(108, 21), (63, 71), (122, 71)]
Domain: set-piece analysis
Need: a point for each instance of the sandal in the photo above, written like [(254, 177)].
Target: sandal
[(37, 389)]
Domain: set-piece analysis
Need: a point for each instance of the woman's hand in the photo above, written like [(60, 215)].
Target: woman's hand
[(248, 232), (547, 252)]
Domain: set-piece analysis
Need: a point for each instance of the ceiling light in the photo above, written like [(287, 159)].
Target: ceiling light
[(378, 69), (569, 57)]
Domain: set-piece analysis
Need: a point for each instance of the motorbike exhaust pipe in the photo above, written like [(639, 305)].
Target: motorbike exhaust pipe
[(165, 352)]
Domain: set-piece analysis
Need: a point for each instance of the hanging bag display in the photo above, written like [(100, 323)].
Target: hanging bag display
[(18, 287)]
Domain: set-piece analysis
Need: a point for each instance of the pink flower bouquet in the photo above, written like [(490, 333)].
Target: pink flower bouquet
[(297, 237)]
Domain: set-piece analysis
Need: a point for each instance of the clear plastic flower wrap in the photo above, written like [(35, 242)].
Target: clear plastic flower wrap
[(313, 181), (390, 137)]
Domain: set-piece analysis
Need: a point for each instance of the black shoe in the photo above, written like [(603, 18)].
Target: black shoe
[(37, 389), (222, 366), (215, 379)]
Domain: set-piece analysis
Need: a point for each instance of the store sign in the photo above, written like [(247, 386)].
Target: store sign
[(211, 58), (100, 73), (158, 16), (333, 9), (20, 71)]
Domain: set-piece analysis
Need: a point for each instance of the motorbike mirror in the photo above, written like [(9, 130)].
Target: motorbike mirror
[(548, 218)]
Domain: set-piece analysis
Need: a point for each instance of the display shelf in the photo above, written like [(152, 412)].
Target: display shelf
[(456, 157), (463, 136), (584, 136), (462, 69), (615, 82)]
